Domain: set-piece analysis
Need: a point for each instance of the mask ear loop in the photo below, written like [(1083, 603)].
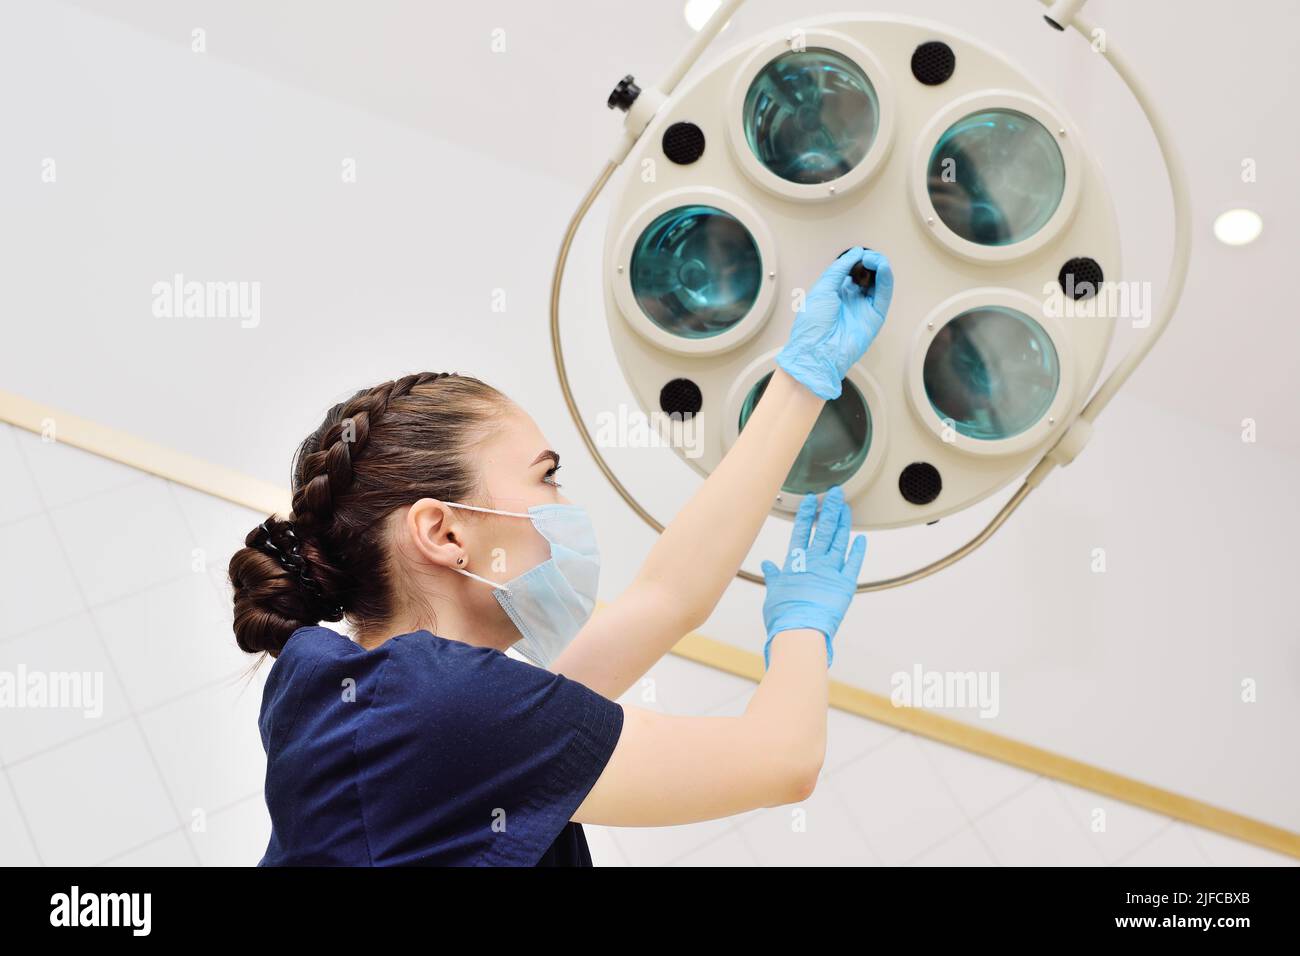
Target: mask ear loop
[(491, 511), (471, 574)]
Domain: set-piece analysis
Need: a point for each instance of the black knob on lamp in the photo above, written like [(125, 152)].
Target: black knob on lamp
[(860, 274)]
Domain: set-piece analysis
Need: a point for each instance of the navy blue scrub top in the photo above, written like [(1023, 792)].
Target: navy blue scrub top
[(426, 751)]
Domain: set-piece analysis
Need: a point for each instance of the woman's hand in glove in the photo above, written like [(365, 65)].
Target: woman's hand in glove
[(815, 587), (837, 323)]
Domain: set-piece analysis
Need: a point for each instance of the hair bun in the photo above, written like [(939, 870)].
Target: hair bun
[(389, 445), (275, 588), (276, 538)]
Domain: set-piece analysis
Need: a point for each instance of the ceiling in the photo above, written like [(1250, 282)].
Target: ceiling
[(1223, 82)]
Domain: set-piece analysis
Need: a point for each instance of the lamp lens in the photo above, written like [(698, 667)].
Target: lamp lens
[(996, 177), (835, 449), (992, 372), (696, 271), (810, 116)]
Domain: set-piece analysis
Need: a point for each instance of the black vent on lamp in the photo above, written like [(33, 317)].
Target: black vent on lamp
[(933, 62), (681, 397), (1081, 277), (920, 483), (683, 143)]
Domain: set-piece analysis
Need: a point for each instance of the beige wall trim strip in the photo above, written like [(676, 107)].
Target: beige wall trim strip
[(129, 450), (854, 700), (266, 498)]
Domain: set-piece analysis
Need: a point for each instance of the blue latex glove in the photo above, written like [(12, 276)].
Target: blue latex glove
[(815, 587), (837, 323)]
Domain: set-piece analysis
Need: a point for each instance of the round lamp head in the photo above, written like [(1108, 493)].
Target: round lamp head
[(836, 134)]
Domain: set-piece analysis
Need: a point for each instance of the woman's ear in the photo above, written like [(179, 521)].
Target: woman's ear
[(435, 533)]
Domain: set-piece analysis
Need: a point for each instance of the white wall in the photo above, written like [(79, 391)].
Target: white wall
[(97, 573)]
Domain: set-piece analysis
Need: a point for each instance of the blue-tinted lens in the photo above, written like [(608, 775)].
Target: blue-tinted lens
[(835, 449), (696, 271), (993, 371), (811, 116), (996, 177)]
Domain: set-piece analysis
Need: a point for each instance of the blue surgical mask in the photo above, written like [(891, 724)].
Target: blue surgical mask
[(550, 603)]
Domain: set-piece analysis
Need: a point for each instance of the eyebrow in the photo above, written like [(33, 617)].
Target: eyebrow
[(547, 453)]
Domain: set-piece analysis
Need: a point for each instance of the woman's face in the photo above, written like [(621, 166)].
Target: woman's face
[(518, 471)]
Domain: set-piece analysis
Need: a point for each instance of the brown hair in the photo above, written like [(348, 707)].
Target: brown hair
[(383, 448)]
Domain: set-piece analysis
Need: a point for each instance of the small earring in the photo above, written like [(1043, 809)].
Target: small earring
[(461, 559)]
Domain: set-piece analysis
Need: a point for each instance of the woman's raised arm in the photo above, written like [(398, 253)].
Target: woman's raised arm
[(700, 551), (667, 770)]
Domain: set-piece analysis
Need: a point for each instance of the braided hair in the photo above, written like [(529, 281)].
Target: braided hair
[(384, 448)]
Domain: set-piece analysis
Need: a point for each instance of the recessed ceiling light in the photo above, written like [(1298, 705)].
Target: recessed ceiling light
[(1237, 227), (697, 12)]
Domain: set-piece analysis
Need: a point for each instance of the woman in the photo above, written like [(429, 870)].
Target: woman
[(427, 511)]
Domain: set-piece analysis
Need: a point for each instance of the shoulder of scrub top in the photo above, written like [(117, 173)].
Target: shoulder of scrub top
[(409, 660)]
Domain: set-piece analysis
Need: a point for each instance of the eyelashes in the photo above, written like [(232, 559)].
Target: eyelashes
[(549, 477)]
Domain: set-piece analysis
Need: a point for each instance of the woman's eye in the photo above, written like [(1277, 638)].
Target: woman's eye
[(549, 477)]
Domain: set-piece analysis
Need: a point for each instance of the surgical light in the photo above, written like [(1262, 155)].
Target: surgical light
[(837, 446), (993, 372), (996, 177), (696, 271), (910, 138), (810, 115)]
